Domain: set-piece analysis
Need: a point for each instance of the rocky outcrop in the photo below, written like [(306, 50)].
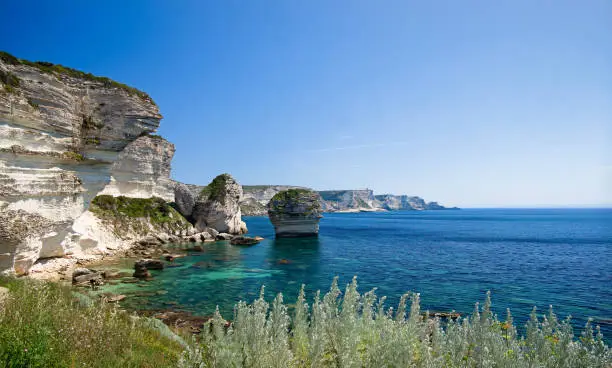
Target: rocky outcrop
[(66, 136), (217, 206), (295, 213), (184, 198), (360, 200), (256, 197)]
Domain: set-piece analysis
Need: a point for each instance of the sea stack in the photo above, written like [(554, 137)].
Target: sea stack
[(295, 213), (217, 206)]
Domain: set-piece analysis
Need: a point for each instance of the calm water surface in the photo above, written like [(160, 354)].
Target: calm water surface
[(526, 257)]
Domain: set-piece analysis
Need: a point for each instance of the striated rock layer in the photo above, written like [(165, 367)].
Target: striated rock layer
[(142, 170), (65, 137), (295, 213)]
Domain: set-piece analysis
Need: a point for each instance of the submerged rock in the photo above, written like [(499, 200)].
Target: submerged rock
[(218, 206), (243, 240), (295, 213)]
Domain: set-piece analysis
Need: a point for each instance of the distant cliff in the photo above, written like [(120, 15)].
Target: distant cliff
[(256, 198), (349, 201), (403, 202)]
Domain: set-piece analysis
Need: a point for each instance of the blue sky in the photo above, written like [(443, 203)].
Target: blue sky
[(470, 103)]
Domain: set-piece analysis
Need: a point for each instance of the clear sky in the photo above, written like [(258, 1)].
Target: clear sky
[(470, 103)]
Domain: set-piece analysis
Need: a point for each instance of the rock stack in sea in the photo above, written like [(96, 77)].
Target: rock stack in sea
[(295, 213), (217, 206)]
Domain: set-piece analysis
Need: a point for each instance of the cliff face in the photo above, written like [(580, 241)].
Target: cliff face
[(349, 201), (403, 202), (64, 136), (142, 170)]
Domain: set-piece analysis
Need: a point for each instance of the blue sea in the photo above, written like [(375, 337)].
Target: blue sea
[(525, 257)]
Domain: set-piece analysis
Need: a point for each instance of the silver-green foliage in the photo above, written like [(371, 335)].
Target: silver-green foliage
[(357, 330)]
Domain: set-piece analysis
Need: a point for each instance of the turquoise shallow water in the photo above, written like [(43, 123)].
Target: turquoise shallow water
[(526, 257)]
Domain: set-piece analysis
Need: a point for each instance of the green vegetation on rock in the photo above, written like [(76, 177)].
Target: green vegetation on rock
[(216, 189), (10, 81), (304, 200), (155, 209), (45, 325), (127, 215), (60, 70), (73, 156), (152, 136)]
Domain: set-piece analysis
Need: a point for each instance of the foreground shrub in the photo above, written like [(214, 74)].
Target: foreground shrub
[(44, 325), (355, 330)]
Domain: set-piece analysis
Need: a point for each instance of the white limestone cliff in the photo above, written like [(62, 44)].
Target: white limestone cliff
[(65, 137)]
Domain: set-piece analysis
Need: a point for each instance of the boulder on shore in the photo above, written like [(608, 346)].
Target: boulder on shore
[(295, 213)]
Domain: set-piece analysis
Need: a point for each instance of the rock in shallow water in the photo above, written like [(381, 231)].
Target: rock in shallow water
[(151, 264), (223, 236), (243, 240), (295, 213)]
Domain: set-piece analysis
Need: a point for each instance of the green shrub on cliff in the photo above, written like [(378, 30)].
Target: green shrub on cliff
[(356, 330), (216, 189), (125, 215), (44, 325), (10, 81), (155, 209)]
